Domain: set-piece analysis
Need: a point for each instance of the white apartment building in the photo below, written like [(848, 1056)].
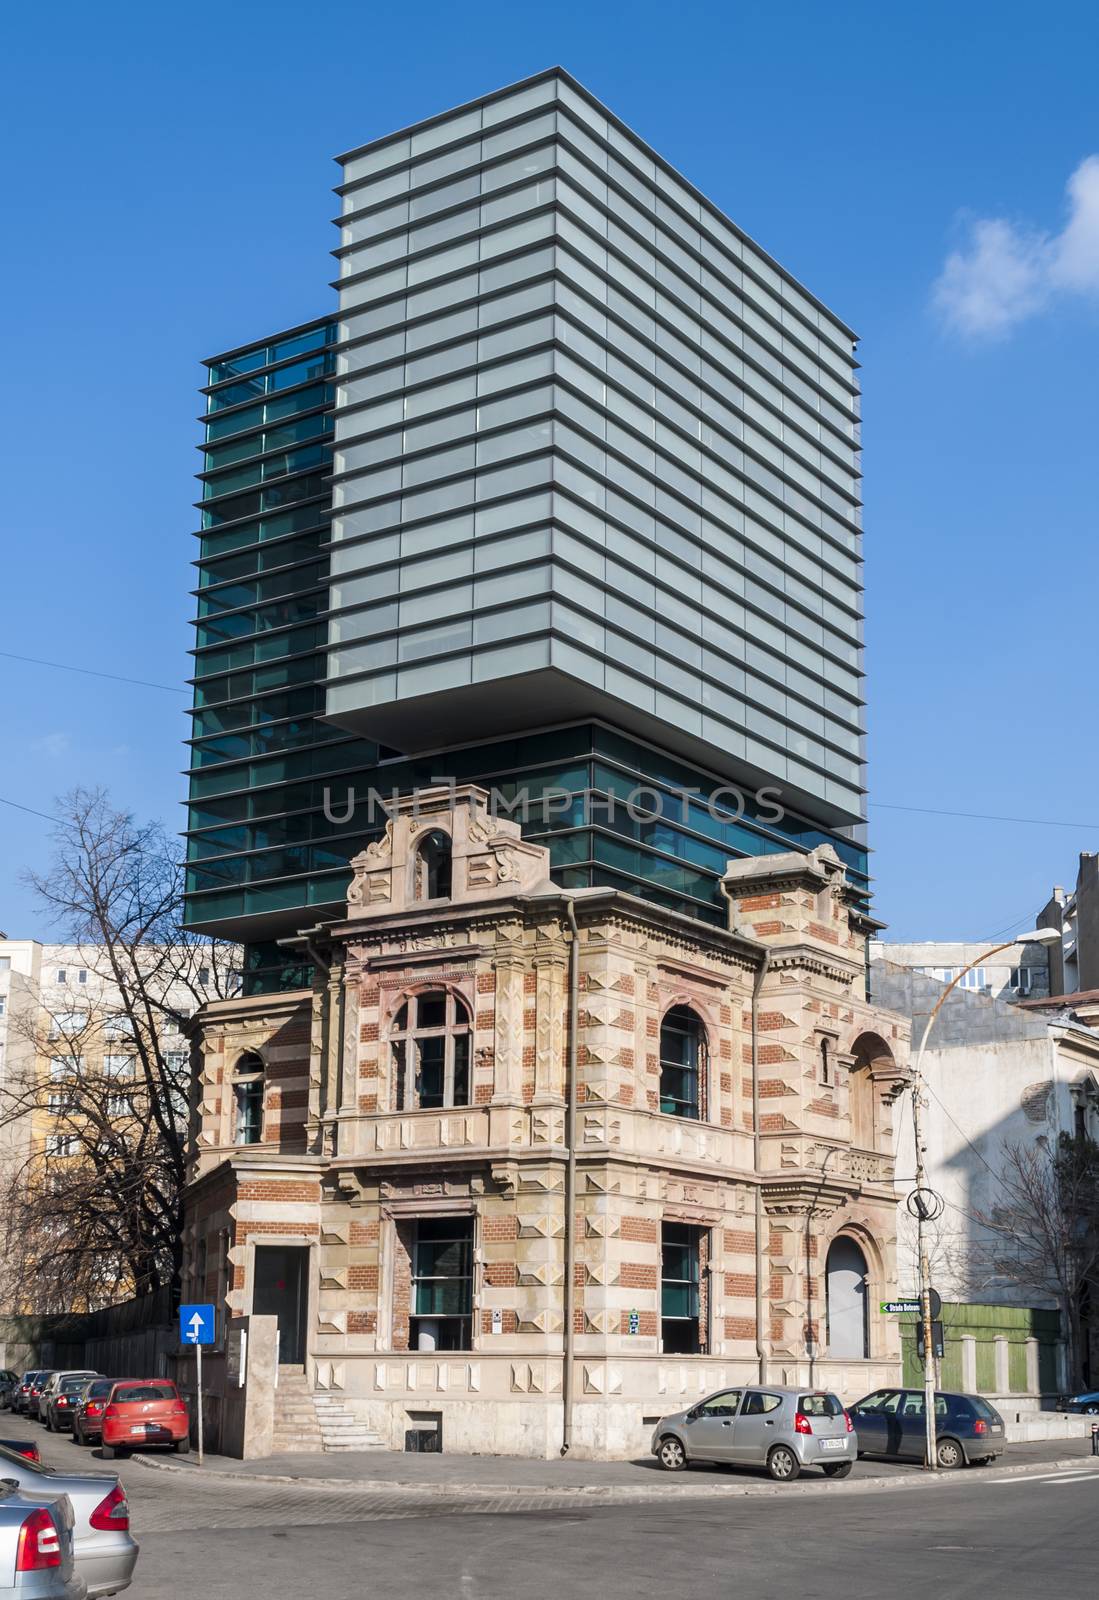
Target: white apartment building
[(1020, 972)]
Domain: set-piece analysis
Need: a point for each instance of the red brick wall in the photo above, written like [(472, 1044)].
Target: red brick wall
[(643, 1230), (293, 1192), (403, 1235)]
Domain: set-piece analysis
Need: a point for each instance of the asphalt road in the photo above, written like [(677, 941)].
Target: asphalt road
[(980, 1533)]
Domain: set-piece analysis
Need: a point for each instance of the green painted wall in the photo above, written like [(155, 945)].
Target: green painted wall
[(985, 1324)]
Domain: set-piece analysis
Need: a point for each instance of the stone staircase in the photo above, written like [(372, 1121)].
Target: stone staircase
[(296, 1425), (307, 1421), (340, 1429)]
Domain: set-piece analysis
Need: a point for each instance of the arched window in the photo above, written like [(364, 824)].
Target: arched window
[(682, 1051), (430, 1044), (848, 1322), (432, 867), (871, 1055), (248, 1099)]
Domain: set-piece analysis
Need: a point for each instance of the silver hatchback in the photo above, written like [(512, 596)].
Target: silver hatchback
[(780, 1429)]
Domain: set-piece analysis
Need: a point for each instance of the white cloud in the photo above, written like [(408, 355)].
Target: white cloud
[(1005, 272), (52, 745), (1076, 251)]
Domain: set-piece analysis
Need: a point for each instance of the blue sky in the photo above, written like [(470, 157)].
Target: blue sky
[(167, 195)]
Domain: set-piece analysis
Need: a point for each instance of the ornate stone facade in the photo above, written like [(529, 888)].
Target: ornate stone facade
[(380, 1130)]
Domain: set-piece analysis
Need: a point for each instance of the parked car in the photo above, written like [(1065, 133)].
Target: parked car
[(61, 1401), (103, 1547), (22, 1447), (781, 1429), (20, 1395), (49, 1392), (8, 1381), (34, 1393), (891, 1422), (36, 1548), (1086, 1404), (86, 1412), (141, 1412)]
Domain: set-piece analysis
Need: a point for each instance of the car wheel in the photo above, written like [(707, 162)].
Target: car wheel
[(1091, 1411), (949, 1454), (783, 1464), (838, 1469), (671, 1454), (181, 1446)]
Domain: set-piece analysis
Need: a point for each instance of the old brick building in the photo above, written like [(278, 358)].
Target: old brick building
[(533, 1167)]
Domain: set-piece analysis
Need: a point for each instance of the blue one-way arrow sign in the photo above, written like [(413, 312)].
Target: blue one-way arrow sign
[(196, 1324)]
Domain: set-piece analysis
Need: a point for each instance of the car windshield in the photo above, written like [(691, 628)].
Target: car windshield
[(71, 1385), (983, 1409), (131, 1393), (820, 1405), (102, 1386)]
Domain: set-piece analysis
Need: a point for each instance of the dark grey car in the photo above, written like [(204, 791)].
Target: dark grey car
[(779, 1429), (890, 1422)]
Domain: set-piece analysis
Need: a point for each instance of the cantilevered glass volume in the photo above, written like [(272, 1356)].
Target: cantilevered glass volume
[(564, 497), (595, 455)]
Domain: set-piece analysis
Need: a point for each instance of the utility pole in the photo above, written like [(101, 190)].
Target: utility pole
[(931, 1444)]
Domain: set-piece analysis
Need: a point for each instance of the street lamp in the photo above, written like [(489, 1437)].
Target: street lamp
[(925, 1201)]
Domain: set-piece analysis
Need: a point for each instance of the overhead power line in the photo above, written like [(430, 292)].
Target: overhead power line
[(29, 809), (91, 672), (983, 816)]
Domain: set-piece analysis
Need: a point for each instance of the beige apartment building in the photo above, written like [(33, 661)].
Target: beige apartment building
[(528, 1168), (70, 1073)]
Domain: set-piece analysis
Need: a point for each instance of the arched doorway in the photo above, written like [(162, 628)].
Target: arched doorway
[(848, 1318)]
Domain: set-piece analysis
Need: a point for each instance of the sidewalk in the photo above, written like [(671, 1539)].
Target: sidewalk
[(494, 1475)]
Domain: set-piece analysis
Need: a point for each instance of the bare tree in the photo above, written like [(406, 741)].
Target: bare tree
[(93, 1205), (1044, 1235)]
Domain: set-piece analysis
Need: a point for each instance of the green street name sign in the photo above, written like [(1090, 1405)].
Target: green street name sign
[(896, 1308)]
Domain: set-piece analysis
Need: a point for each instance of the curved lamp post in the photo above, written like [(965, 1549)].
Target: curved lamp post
[(925, 1207)]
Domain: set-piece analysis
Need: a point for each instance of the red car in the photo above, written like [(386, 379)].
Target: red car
[(141, 1412), (86, 1418), (22, 1447)]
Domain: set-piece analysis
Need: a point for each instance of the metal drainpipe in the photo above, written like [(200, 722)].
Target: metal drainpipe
[(757, 985), (570, 1179)]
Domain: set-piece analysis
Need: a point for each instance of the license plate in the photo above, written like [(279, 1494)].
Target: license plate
[(996, 1428), (833, 1444), (138, 1427)]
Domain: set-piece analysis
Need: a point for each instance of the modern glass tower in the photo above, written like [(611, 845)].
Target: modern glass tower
[(565, 496)]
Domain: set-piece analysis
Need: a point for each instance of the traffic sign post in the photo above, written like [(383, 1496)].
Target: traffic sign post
[(196, 1327)]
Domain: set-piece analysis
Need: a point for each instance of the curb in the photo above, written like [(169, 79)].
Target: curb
[(601, 1492)]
